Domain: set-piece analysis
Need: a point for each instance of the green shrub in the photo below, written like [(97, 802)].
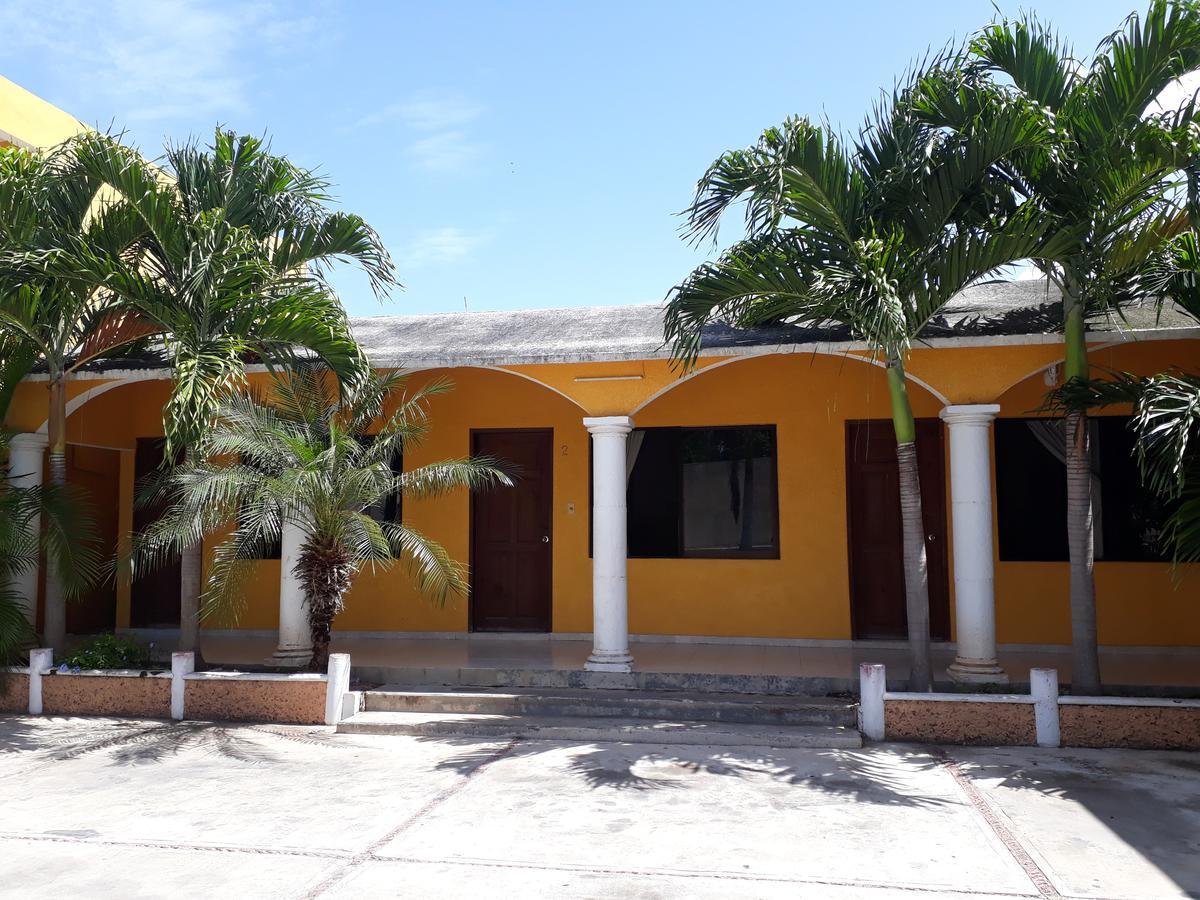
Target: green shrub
[(109, 651)]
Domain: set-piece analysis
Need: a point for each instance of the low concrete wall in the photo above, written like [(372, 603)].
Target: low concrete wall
[(286, 699), (14, 691), (942, 719), (1040, 718), (116, 693), (1109, 722)]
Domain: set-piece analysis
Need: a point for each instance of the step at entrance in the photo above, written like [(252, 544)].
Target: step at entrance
[(609, 715)]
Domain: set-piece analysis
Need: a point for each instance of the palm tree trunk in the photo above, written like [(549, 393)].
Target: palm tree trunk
[(191, 567), (325, 572), (55, 610), (916, 569), (1085, 657)]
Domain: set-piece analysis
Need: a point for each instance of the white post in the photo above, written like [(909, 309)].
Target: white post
[(182, 665), (40, 661), (1043, 684), (610, 600), (337, 686), (295, 641), (971, 514), (872, 683), (25, 455)]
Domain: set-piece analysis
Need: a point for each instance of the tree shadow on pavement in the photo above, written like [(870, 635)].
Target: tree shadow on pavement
[(861, 776)]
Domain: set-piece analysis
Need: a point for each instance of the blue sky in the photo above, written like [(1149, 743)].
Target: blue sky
[(512, 154)]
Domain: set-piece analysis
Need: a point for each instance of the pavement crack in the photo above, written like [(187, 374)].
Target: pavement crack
[(980, 803), (368, 852)]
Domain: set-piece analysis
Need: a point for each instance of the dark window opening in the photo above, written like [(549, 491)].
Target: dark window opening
[(702, 492), (391, 508), (1031, 488)]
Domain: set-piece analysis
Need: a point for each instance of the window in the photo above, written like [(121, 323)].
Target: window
[(1031, 488), (702, 492), (391, 509)]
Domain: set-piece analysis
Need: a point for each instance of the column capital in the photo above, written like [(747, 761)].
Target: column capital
[(970, 413), (29, 441), (608, 424)]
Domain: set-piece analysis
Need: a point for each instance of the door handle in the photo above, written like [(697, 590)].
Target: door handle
[(545, 539), (931, 537)]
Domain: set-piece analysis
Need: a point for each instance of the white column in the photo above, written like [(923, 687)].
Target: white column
[(971, 514), (25, 455), (610, 603), (295, 640)]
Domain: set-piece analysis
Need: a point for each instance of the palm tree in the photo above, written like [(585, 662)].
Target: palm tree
[(1166, 410), (304, 456), (876, 237), (33, 520), (1108, 177), (49, 209), (235, 244)]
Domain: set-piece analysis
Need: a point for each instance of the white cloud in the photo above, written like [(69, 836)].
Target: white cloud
[(441, 246), (427, 114), (155, 60), (440, 139)]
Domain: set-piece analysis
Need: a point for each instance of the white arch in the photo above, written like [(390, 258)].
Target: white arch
[(90, 394), (487, 368), (774, 352), (1058, 361)]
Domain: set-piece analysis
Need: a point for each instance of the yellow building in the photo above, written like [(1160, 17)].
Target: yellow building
[(761, 494), (753, 500)]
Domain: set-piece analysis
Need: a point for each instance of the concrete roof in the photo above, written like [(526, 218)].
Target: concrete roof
[(599, 333), (996, 312)]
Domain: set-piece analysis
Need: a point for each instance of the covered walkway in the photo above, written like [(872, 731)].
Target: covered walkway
[(1128, 667)]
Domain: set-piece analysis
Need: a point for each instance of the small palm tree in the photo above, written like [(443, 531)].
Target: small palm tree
[(1109, 177), (304, 457), (877, 237), (35, 520)]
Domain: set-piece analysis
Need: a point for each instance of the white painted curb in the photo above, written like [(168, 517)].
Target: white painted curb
[(182, 665), (336, 687), (40, 661)]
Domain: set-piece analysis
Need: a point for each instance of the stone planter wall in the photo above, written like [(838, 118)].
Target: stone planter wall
[(949, 720), (1116, 722), (14, 690), (107, 693), (1040, 718), (297, 699)]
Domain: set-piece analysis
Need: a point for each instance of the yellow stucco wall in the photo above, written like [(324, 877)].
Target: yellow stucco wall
[(30, 120), (804, 593)]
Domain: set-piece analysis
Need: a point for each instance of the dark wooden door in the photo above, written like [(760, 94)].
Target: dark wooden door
[(510, 535), (875, 529), (154, 595), (96, 473)]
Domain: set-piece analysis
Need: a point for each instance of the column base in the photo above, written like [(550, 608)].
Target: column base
[(290, 657), (609, 661), (976, 671)]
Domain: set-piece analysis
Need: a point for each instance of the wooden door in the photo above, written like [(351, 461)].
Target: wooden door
[(511, 533), (875, 529), (96, 473), (154, 595)]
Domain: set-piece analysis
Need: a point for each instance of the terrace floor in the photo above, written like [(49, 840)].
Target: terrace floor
[(1134, 667)]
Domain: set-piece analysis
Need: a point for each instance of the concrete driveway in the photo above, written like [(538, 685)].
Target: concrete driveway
[(107, 808)]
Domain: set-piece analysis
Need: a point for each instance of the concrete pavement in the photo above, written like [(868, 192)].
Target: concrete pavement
[(107, 808)]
